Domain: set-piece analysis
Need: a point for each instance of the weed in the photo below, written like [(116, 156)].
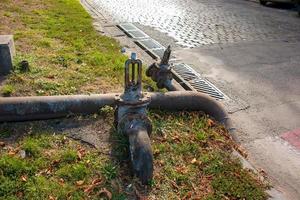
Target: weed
[(109, 171), (4, 133), (120, 145), (73, 172), (31, 147), (7, 90), (14, 167), (201, 136), (68, 156), (7, 14)]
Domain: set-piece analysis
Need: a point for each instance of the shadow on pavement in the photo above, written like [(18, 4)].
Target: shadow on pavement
[(282, 6)]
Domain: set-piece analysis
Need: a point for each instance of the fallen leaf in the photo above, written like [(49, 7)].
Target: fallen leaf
[(24, 178), (55, 162), (20, 195), (2, 144), (161, 162), (176, 138), (95, 183), (11, 153), (194, 161), (48, 171), (106, 193), (156, 152), (174, 185), (242, 151), (50, 76), (79, 183), (61, 181), (182, 170), (262, 172), (210, 123), (188, 195), (81, 153), (52, 198)]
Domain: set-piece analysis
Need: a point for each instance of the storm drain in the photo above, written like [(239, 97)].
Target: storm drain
[(132, 31), (194, 81), (151, 46), (188, 77)]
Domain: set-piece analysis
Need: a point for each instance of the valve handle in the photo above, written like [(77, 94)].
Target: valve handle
[(133, 73)]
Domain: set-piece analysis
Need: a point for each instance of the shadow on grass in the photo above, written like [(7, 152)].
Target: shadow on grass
[(95, 131)]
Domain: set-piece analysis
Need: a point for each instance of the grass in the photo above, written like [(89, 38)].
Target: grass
[(7, 90), (192, 155), (192, 160), (66, 55), (56, 169)]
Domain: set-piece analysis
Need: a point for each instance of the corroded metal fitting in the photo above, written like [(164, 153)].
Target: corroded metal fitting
[(161, 73), (132, 104)]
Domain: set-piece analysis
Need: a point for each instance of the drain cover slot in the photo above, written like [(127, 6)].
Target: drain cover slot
[(132, 31), (194, 81), (127, 27), (150, 44), (153, 48)]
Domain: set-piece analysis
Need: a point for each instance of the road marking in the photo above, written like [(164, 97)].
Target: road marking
[(292, 137)]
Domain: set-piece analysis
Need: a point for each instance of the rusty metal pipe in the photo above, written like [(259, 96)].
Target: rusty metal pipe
[(141, 152), (47, 107)]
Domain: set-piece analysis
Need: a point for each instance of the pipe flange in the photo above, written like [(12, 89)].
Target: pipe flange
[(144, 100)]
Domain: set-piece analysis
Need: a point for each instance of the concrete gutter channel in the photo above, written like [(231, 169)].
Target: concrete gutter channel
[(47, 107)]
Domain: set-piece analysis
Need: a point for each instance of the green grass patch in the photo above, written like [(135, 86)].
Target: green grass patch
[(7, 90), (54, 166), (191, 158), (65, 53)]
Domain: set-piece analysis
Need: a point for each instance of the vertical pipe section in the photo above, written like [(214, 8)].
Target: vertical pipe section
[(141, 152)]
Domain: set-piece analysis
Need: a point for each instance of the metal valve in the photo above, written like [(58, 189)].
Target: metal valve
[(131, 120)]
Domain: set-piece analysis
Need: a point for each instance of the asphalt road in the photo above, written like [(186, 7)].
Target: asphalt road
[(251, 53)]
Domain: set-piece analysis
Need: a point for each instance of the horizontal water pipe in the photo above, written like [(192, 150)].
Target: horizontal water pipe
[(48, 107)]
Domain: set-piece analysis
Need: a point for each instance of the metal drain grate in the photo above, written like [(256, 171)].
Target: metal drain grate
[(132, 31), (152, 47), (194, 81)]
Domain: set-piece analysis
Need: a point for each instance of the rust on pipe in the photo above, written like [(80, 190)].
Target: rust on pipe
[(47, 107)]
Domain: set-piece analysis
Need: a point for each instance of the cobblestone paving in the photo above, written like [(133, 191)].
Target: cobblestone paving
[(203, 22)]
